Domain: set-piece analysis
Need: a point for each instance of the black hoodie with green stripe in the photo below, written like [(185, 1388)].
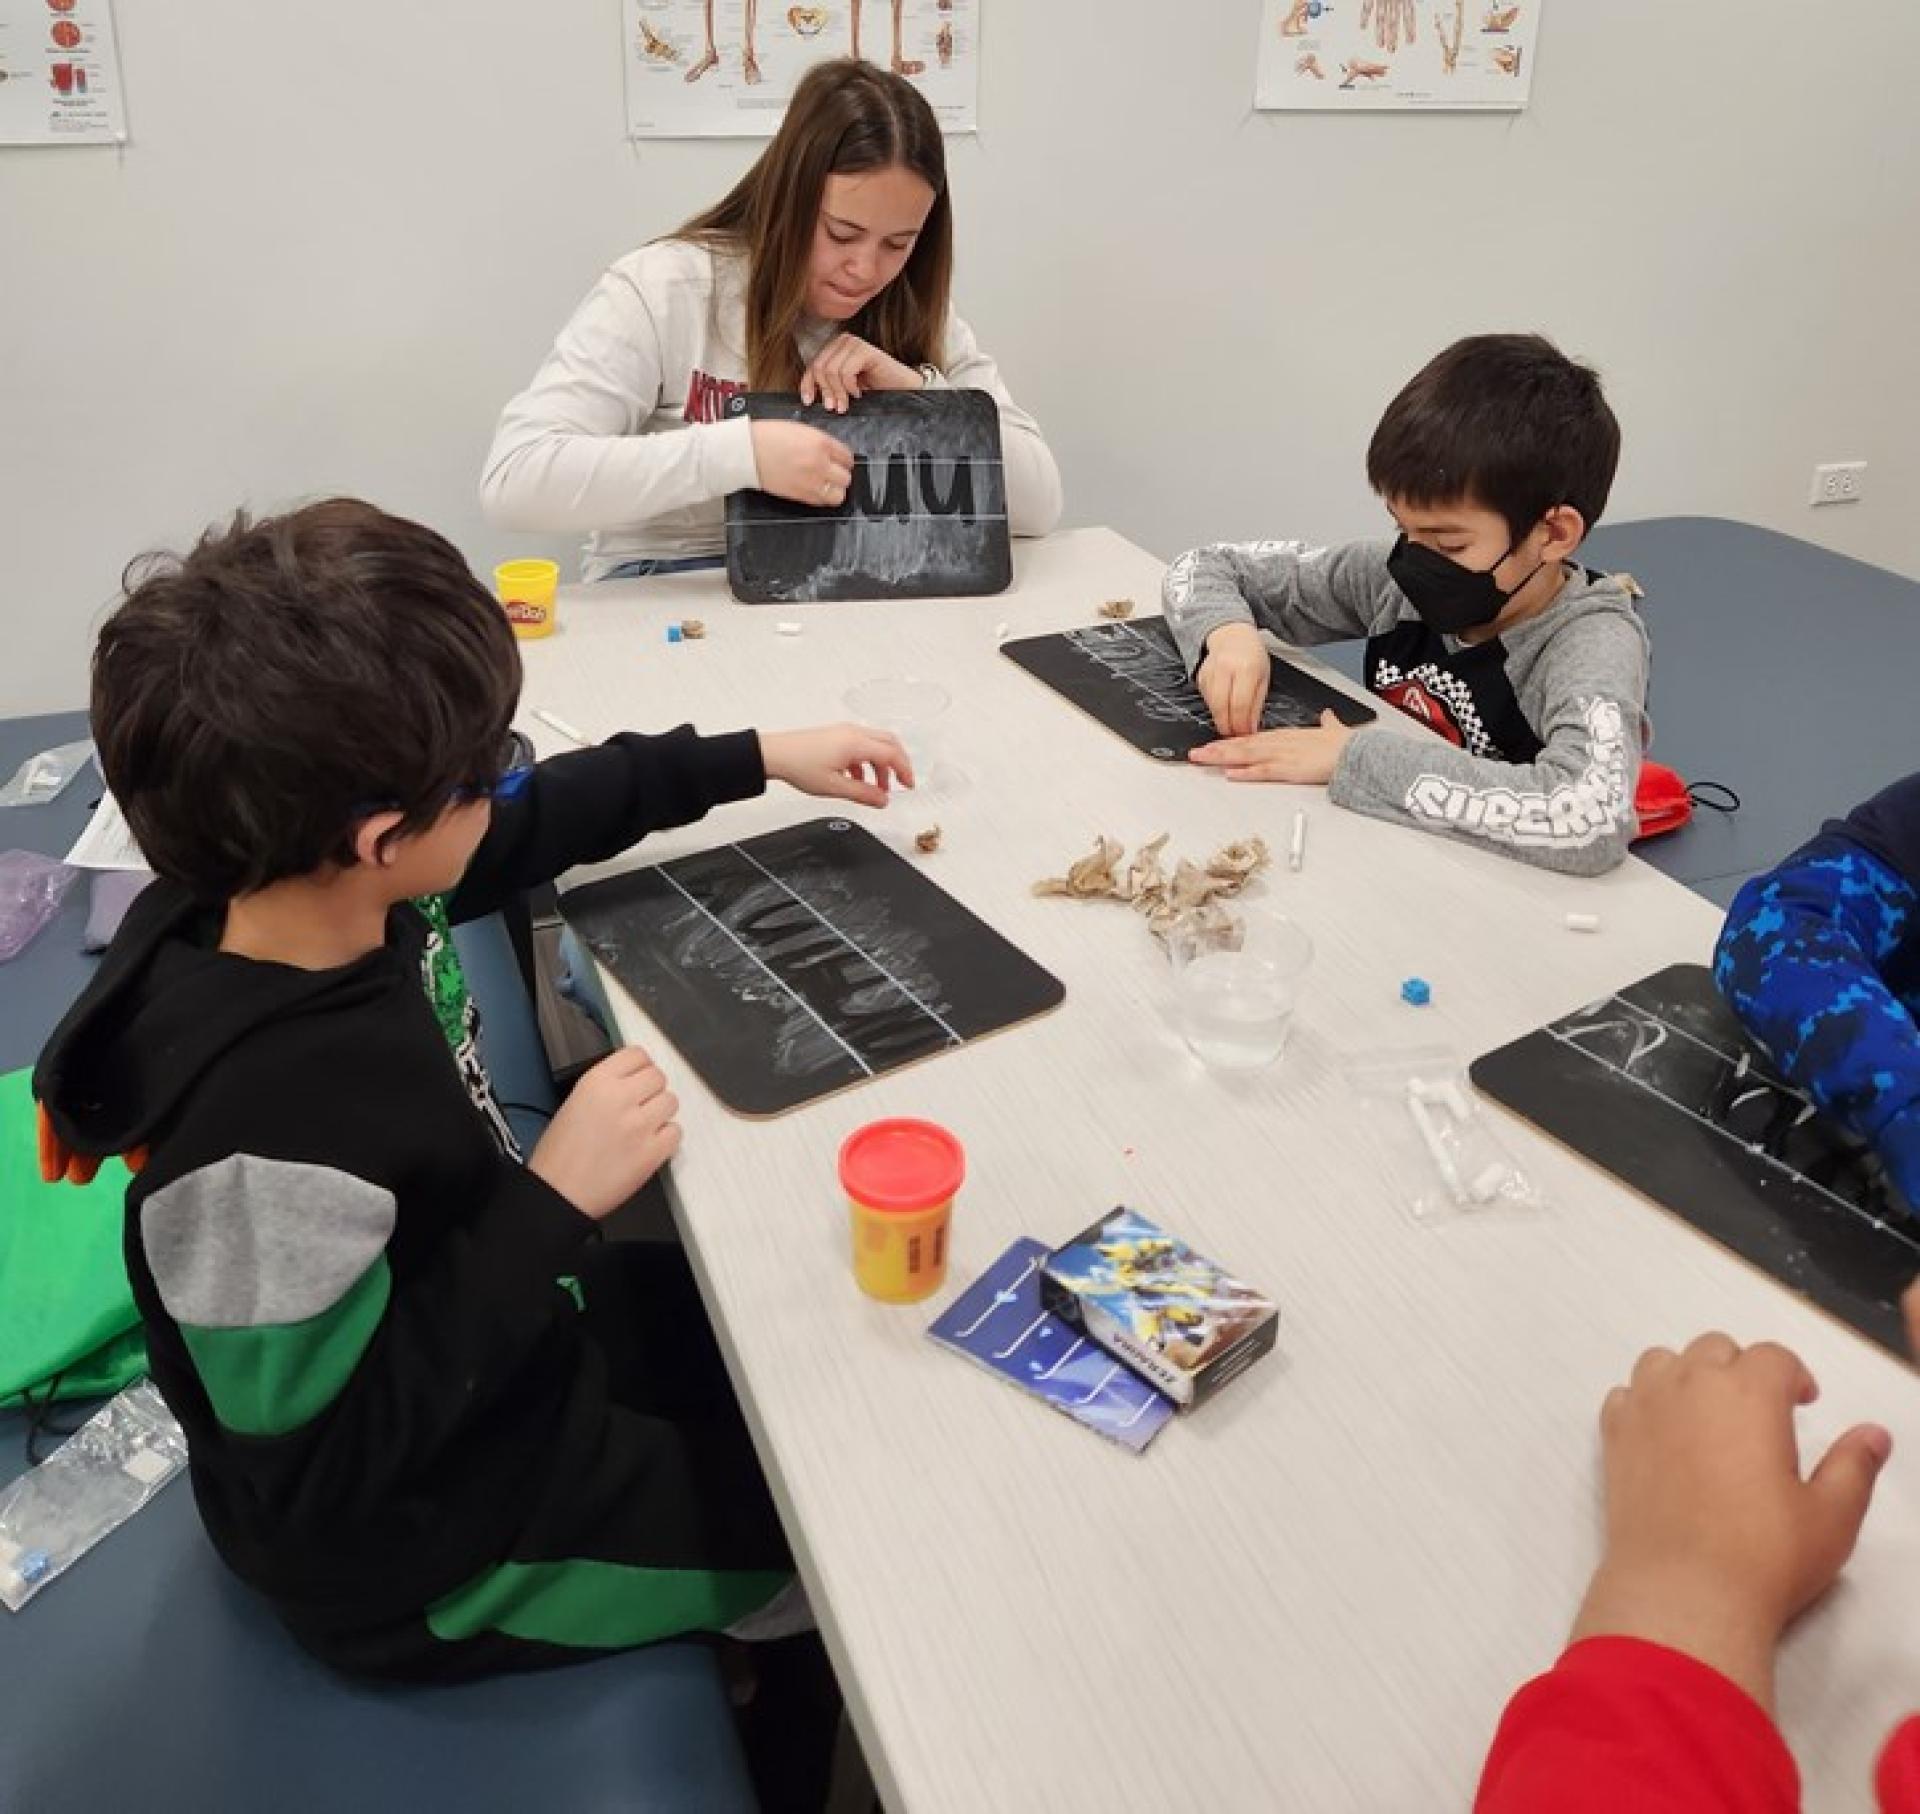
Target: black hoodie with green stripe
[(352, 1289)]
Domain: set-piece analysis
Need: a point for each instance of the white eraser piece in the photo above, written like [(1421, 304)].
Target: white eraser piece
[(1583, 922), (1487, 1186), (787, 629), (1001, 632)]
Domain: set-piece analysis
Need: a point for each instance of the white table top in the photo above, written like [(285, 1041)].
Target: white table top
[(1318, 1591)]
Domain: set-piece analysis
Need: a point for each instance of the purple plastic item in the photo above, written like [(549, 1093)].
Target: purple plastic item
[(113, 893), (31, 890)]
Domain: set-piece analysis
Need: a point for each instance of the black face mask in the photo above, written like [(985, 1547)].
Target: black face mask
[(1449, 597)]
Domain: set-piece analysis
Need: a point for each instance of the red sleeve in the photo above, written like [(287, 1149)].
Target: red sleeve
[(1898, 1778), (1620, 1723)]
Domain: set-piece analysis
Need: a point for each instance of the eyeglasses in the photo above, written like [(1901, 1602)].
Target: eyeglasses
[(509, 784)]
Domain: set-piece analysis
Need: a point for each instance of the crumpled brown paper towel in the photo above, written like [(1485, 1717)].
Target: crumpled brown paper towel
[(1146, 886)]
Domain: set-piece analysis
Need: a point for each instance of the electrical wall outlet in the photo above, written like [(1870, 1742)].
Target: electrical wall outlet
[(1845, 483)]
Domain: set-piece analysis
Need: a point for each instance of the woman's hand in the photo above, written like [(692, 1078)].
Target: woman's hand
[(848, 367), (801, 464)]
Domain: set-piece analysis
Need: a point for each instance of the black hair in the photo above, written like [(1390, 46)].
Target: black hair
[(253, 699), (1506, 421)]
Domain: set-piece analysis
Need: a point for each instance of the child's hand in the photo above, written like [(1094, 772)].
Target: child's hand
[(1302, 756), (1714, 1542), (611, 1135), (838, 762), (848, 367), (1234, 678), (802, 464)]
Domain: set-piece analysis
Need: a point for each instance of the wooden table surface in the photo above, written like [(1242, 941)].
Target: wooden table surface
[(1317, 1592)]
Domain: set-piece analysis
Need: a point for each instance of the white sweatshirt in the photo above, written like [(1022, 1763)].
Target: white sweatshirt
[(622, 433)]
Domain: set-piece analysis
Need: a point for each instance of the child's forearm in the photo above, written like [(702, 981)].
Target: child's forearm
[(1303, 595), (1571, 809), (1622, 1724), (590, 805), (1799, 960)]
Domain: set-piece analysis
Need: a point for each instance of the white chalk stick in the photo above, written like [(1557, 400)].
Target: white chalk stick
[(1487, 1186), (562, 726), (1436, 1145), (788, 629), (1446, 1094), (1583, 922), (1297, 852)]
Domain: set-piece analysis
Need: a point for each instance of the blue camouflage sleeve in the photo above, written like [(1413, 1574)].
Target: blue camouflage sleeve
[(1800, 961)]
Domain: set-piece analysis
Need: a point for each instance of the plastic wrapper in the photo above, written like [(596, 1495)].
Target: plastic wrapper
[(46, 776), (85, 1490), (31, 890), (1440, 1146)]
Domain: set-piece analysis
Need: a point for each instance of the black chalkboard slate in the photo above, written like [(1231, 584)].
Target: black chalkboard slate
[(795, 964), (926, 516), (1659, 1085), (1130, 677)]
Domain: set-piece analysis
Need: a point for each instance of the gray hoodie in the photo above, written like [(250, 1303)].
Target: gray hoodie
[(1551, 782)]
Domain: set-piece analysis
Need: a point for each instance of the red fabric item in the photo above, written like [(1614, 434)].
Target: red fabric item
[(1898, 1778), (1619, 1724), (1661, 801)]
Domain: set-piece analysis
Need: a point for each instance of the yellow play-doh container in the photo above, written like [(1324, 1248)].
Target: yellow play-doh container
[(528, 592), (901, 1178)]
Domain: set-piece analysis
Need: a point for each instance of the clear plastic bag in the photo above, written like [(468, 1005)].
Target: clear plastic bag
[(31, 890), (87, 1488), (46, 776), (1443, 1154)]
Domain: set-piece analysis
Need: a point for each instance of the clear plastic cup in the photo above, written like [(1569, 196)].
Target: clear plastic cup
[(914, 711), (528, 592), (901, 1178), (1237, 980)]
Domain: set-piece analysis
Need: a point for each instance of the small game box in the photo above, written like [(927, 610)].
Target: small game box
[(1171, 1314), (998, 1323)]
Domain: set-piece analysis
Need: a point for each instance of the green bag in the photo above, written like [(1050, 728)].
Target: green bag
[(66, 1308)]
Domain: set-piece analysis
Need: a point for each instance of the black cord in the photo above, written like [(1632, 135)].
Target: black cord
[(40, 1418), (1700, 792)]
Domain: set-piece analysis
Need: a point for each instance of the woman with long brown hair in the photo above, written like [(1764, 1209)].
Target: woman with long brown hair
[(826, 271)]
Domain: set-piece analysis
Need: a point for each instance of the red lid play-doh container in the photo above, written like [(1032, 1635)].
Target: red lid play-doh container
[(902, 1166)]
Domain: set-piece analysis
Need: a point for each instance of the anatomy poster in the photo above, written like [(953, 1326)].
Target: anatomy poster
[(59, 74), (1384, 55), (727, 68)]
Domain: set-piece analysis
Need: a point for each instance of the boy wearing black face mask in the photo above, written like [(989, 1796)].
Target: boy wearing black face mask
[(1495, 462)]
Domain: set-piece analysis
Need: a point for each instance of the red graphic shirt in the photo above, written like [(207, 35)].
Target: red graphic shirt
[(1418, 701), (708, 397)]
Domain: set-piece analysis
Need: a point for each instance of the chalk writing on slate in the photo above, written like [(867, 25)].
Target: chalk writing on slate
[(925, 515), (1131, 678), (795, 964), (1659, 1085)]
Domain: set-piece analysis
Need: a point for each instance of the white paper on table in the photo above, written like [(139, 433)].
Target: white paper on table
[(107, 842)]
